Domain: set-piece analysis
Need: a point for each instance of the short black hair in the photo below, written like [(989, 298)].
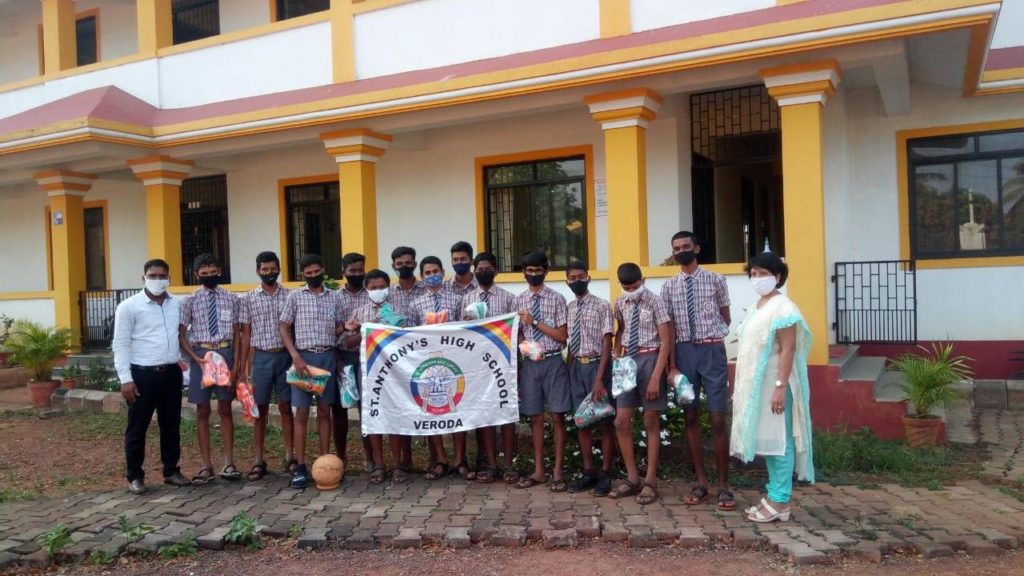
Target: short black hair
[(771, 262), (156, 263), (577, 265), (267, 256), (310, 260), (376, 273), (351, 258), (430, 260), (402, 251), (203, 260), (629, 273), (536, 258), (462, 246), (685, 234), (485, 257)]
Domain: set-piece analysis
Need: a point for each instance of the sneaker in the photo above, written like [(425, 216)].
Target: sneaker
[(583, 483), (177, 479), (137, 486), (603, 486), (301, 477)]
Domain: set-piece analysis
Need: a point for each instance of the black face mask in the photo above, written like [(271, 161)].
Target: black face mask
[(685, 258), (406, 272), (534, 279), (315, 281), (485, 278), (579, 287), (356, 281), (461, 268), (210, 282), (269, 279)]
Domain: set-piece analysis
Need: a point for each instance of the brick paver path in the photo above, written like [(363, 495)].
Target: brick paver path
[(828, 520), (1004, 431)]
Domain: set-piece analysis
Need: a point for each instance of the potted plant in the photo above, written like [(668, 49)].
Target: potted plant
[(73, 376), (97, 374), (5, 332), (38, 349), (928, 381)]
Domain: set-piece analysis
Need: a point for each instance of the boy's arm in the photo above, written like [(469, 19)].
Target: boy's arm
[(664, 351), (602, 367)]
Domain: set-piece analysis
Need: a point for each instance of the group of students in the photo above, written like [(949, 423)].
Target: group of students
[(272, 328)]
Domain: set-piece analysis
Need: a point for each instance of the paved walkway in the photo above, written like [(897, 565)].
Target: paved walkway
[(1003, 430), (828, 520)]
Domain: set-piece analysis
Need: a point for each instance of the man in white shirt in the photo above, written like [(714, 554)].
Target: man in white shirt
[(147, 358)]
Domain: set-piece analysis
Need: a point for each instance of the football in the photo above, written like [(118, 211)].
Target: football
[(328, 471)]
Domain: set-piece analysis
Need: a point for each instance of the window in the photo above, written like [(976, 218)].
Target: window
[(294, 8), (194, 19), (87, 41), (537, 205), (313, 226), (204, 224), (966, 195)]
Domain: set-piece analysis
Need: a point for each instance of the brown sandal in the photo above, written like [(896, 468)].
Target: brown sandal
[(530, 482), (258, 471), (698, 494), (624, 490), (643, 499), (203, 477)]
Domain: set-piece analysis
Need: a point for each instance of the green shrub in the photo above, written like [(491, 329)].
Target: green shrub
[(242, 531), (56, 539), (184, 547), (37, 348)]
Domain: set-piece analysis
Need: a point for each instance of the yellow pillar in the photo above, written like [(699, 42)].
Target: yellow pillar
[(356, 152), (615, 18), (343, 41), (624, 117), (154, 23), (162, 177), (60, 51), (67, 237), (802, 91)]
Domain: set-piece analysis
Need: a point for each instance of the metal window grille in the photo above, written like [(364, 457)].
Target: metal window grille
[(294, 8), (538, 205), (97, 309), (876, 301), (726, 125), (313, 226), (204, 224), (194, 19)]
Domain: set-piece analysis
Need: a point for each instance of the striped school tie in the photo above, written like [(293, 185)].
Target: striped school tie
[(437, 302), (574, 341), (484, 296), (211, 315), (691, 308), (633, 346), (535, 311)]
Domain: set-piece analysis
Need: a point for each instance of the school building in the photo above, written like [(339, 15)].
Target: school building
[(877, 144)]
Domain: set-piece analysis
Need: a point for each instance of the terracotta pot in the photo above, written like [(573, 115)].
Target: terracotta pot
[(71, 383), (41, 392), (922, 432)]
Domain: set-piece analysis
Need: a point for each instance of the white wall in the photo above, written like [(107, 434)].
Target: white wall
[(839, 195), (422, 35), (23, 238), (126, 203), (118, 26), (650, 14), (962, 303), (40, 311), (19, 43)]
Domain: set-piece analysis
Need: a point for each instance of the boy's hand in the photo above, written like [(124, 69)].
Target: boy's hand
[(300, 365), (526, 316), (673, 374), (598, 392), (352, 325), (653, 390)]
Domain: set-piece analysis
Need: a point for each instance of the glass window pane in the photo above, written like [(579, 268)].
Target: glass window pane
[(933, 219), (313, 220), (978, 213), (1013, 203), (1001, 141), (194, 19), (935, 147), (294, 8), (85, 40)]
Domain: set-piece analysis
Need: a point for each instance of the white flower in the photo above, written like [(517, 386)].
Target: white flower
[(642, 444), (664, 434), (576, 453), (643, 433), (665, 442), (671, 404), (664, 417), (597, 450)]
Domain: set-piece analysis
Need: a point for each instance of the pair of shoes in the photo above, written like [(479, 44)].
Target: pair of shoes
[(137, 486), (603, 486), (584, 483), (300, 479), (177, 479)]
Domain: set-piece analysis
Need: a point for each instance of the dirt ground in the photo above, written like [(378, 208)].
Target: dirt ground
[(595, 559)]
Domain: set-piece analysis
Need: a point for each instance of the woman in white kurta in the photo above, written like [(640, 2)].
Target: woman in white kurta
[(771, 397)]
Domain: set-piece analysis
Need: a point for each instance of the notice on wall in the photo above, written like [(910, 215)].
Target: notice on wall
[(601, 198)]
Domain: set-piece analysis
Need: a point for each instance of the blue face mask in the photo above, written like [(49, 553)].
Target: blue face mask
[(434, 281)]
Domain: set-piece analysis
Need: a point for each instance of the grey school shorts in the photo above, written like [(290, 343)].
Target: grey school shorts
[(270, 374), (706, 367), (544, 383), (199, 395), (581, 382), (324, 360), (637, 397)]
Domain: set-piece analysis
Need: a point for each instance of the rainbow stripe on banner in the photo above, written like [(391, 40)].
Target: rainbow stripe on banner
[(497, 330), (377, 339)]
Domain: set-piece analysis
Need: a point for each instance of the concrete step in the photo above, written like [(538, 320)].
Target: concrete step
[(889, 387), (849, 354), (863, 369)]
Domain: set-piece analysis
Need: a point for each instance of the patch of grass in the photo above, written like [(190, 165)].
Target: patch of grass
[(242, 531), (184, 547), (56, 539), (14, 495), (295, 531), (132, 532), (866, 534), (102, 557), (862, 458), (1016, 493)]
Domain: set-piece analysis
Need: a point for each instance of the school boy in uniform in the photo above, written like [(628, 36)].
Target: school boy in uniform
[(426, 309), (353, 296), (644, 333), (209, 323), (406, 289), (462, 281), (590, 349), (543, 382), (314, 314), (263, 360), (499, 303)]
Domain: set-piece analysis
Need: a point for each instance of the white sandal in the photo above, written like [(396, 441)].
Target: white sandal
[(755, 514)]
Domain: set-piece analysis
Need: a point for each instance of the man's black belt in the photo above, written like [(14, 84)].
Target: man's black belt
[(157, 368)]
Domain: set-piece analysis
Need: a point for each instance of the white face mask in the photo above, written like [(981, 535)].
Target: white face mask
[(378, 296), (157, 286), (634, 294), (763, 285)]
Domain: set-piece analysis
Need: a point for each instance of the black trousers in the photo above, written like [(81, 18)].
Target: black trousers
[(159, 392)]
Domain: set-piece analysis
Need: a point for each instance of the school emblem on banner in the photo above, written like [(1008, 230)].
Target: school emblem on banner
[(440, 378)]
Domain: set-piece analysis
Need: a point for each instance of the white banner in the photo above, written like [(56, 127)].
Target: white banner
[(439, 379)]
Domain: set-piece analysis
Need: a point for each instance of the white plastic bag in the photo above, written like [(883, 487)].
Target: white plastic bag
[(623, 376), (349, 388)]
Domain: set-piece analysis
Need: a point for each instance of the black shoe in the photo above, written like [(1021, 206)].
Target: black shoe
[(137, 486), (301, 477), (177, 479), (603, 486), (583, 483)]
